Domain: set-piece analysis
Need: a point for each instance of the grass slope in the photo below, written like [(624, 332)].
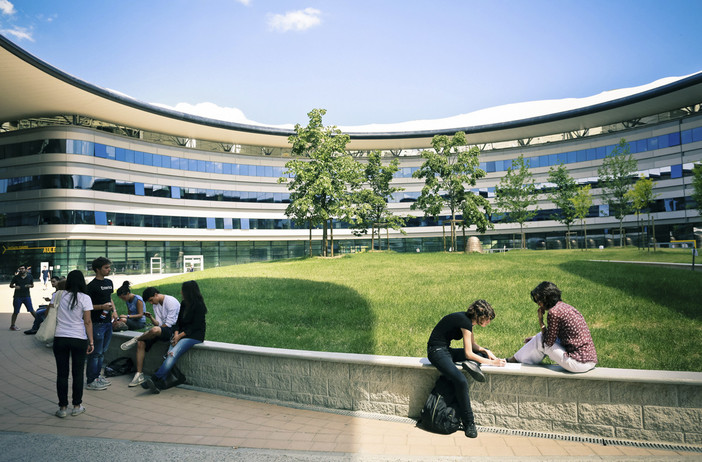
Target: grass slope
[(641, 317)]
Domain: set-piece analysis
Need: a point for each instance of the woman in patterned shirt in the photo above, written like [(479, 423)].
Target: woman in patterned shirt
[(566, 339)]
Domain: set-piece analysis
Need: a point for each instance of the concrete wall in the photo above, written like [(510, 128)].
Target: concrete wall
[(612, 403)]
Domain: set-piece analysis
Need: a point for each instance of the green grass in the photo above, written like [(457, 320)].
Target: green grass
[(641, 317)]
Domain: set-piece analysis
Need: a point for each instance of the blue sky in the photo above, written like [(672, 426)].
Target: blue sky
[(364, 61)]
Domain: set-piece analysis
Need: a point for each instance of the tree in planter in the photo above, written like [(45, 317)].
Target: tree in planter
[(370, 204), (697, 186), (516, 193), (582, 201), (319, 185), (448, 171), (566, 189), (641, 197), (616, 174)]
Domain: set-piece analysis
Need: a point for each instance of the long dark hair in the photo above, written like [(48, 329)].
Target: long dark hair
[(75, 282), (191, 295)]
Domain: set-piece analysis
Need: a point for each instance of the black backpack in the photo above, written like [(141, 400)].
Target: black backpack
[(120, 366), (439, 414)]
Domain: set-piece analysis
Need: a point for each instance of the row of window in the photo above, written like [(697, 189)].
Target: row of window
[(180, 163), (84, 217)]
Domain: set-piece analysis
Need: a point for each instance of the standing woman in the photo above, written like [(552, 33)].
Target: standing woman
[(188, 331), (458, 326), (134, 318), (73, 341)]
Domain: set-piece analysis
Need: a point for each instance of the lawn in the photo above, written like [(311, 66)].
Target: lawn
[(641, 317)]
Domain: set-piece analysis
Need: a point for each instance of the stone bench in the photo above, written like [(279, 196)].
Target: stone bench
[(640, 405)]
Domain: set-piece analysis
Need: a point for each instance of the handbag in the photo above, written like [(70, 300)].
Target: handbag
[(48, 326)]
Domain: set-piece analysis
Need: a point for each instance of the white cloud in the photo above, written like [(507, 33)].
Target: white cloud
[(20, 33), (6, 7), (213, 111), (295, 20), (244, 2)]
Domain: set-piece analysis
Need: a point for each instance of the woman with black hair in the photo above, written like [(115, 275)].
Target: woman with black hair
[(566, 339), (188, 331), (134, 318), (458, 326), (73, 340)]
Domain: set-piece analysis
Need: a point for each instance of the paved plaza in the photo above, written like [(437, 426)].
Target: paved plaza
[(123, 423)]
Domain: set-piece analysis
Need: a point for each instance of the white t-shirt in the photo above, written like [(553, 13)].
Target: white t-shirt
[(69, 322), (168, 312)]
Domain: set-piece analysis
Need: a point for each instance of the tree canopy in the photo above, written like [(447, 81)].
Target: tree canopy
[(616, 177), (697, 186), (582, 201), (516, 194), (562, 195)]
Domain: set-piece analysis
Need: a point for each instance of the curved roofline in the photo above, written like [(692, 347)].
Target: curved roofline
[(677, 94)]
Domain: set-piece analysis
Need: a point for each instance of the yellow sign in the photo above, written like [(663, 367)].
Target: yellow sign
[(26, 247)]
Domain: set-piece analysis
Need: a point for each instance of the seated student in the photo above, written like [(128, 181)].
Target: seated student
[(134, 318), (188, 332), (458, 326), (566, 339), (166, 309), (43, 309)]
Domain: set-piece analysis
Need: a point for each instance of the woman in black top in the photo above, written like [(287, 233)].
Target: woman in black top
[(458, 326), (188, 331)]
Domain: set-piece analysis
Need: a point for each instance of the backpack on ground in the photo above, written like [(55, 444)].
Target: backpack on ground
[(120, 366), (440, 412)]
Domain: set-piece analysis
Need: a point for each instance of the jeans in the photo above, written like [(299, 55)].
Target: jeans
[(136, 324), (534, 351), (74, 350), (18, 301), (39, 317), (443, 359), (175, 352), (102, 334)]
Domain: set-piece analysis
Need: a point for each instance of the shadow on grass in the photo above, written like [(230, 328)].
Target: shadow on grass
[(677, 290), (285, 313)]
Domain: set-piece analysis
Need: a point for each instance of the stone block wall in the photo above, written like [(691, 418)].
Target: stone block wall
[(636, 405)]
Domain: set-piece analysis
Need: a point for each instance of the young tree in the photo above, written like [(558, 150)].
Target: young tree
[(641, 196), (582, 201), (616, 174), (370, 204), (320, 184), (516, 193), (697, 186), (476, 210), (566, 189), (448, 171)]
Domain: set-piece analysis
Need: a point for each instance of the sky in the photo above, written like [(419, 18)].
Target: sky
[(365, 61)]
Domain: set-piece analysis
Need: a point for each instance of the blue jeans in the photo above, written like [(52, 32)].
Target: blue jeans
[(443, 359), (17, 303), (175, 352), (102, 334)]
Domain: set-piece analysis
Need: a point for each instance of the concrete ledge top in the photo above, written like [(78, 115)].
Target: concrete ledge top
[(546, 371)]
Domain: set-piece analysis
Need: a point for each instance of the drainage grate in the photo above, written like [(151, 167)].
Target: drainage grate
[(499, 431)]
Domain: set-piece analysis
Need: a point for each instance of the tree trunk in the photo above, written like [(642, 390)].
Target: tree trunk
[(372, 237), (324, 239), (585, 233), (310, 222), (331, 235), (621, 233)]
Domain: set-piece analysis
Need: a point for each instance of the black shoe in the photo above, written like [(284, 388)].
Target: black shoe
[(471, 431), (474, 370), (30, 331), (150, 385)]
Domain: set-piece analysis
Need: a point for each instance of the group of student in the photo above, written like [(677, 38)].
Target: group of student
[(84, 329), (564, 338)]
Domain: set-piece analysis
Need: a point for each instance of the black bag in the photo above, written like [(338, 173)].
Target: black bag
[(120, 366), (175, 377), (440, 414)]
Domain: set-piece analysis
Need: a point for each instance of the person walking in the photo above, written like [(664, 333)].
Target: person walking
[(73, 340), (21, 282)]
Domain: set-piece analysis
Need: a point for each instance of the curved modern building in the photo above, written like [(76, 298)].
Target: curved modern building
[(86, 172)]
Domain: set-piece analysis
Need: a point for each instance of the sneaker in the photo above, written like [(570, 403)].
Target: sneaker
[(104, 381), (471, 431), (151, 386), (129, 344), (474, 370), (61, 413), (138, 379), (14, 328), (95, 385), (77, 411)]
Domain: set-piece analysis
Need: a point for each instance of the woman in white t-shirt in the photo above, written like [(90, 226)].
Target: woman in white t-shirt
[(73, 340)]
